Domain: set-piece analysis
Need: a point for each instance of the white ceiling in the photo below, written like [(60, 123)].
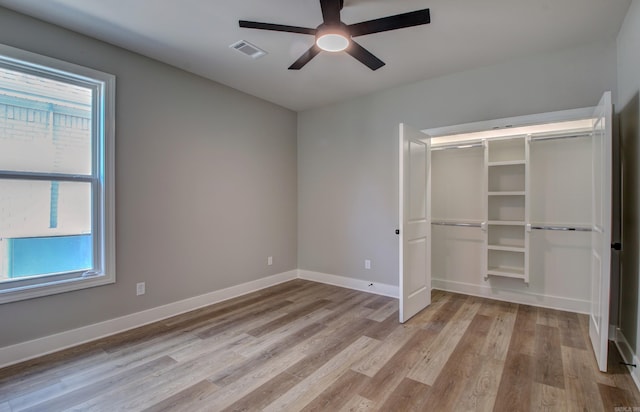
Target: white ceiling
[(195, 34)]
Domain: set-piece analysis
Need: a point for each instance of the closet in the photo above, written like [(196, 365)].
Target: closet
[(511, 215), (520, 214)]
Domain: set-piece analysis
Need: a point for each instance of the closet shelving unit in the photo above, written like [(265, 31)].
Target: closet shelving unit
[(507, 211)]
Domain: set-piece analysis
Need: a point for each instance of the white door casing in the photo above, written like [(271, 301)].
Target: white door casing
[(601, 230), (415, 221)]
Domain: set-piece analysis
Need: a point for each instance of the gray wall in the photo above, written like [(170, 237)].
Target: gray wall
[(205, 186), (347, 153), (628, 110)]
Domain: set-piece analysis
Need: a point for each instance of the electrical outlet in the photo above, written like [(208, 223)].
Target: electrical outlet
[(140, 288), (367, 263), (270, 260)]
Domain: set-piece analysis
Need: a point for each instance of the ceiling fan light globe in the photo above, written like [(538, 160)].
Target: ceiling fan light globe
[(332, 42)]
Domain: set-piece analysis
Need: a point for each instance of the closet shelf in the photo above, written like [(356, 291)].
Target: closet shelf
[(506, 248), (507, 193), (517, 273), (506, 163), (506, 222)]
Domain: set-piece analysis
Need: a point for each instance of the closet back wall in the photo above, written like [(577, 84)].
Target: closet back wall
[(347, 152), (457, 195), (560, 195)]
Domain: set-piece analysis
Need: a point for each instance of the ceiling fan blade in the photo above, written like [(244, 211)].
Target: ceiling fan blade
[(276, 27), (399, 21), (305, 58), (331, 11), (364, 56)]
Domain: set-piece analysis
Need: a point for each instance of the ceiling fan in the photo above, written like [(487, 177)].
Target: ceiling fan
[(334, 36)]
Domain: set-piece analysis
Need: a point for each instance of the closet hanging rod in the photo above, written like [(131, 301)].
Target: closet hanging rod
[(557, 137), (563, 228), (457, 146), (460, 224)]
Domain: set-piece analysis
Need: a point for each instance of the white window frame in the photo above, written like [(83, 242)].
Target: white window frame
[(102, 177)]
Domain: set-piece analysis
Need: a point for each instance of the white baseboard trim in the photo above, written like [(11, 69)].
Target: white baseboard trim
[(628, 355), (23, 351), (350, 283), (546, 301)]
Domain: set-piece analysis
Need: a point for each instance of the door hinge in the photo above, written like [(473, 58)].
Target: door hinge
[(616, 246), (397, 231)]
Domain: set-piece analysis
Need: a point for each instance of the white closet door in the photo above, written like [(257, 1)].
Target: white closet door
[(415, 222), (601, 230)]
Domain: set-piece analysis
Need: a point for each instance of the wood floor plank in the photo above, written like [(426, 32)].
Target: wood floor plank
[(384, 311), (325, 346), (226, 396), (314, 384), (497, 343), (516, 383), (266, 393), (37, 396), (481, 390), (312, 293), (436, 356), (493, 308), (232, 320), (379, 302), (547, 398), (229, 339), (303, 345), (278, 292), (251, 347), (382, 329), (547, 317), (338, 394), (370, 365), (186, 397), (570, 330), (40, 370), (580, 386), (548, 357), (462, 366), (442, 317), (120, 362), (148, 392), (438, 301), (524, 331), (231, 374), (343, 296), (613, 398), (358, 404), (66, 399), (410, 396), (514, 392), (387, 379), (296, 313), (342, 308)]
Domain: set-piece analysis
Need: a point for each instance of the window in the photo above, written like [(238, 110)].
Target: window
[(56, 176)]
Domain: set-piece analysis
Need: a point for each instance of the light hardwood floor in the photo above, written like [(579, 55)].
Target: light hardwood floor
[(313, 347)]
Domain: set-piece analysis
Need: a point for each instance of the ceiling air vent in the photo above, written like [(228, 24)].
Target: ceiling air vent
[(249, 49)]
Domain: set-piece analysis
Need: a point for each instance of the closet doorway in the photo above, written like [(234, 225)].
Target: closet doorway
[(515, 209)]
